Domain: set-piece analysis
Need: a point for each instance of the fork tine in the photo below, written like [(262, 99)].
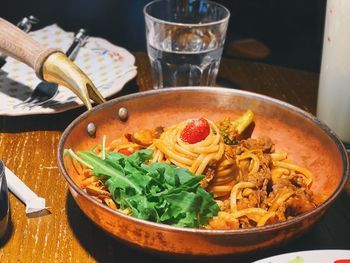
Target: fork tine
[(30, 104), (27, 100), (40, 101), (33, 103)]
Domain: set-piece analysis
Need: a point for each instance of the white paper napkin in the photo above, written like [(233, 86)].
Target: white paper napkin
[(34, 203)]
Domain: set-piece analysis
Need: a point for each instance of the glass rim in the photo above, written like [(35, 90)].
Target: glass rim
[(226, 18)]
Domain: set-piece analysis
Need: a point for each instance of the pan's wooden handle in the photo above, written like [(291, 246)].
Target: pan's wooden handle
[(17, 44)]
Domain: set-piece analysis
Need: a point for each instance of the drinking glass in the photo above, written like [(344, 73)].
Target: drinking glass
[(185, 40), (333, 105), (4, 202)]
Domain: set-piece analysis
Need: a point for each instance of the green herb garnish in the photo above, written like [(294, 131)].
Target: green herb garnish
[(227, 140), (157, 192)]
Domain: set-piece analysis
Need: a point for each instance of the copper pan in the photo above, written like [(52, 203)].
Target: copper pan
[(309, 142)]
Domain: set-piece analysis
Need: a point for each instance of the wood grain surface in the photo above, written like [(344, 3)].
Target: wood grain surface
[(28, 147)]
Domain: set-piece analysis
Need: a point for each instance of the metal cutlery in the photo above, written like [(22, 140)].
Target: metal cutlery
[(27, 22), (25, 25), (46, 91)]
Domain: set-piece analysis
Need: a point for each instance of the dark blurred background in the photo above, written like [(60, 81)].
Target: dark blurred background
[(291, 29)]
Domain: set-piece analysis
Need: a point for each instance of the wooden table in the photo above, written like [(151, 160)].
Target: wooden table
[(28, 147)]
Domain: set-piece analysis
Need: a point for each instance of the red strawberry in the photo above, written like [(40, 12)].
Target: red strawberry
[(195, 131)]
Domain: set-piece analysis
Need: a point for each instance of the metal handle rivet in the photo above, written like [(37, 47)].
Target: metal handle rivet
[(123, 114), (91, 129)]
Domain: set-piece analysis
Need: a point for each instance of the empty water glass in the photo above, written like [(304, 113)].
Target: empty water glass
[(185, 41)]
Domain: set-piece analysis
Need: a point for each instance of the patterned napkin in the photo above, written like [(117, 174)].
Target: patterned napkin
[(108, 66)]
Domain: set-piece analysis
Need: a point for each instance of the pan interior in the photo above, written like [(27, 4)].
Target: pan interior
[(306, 142)]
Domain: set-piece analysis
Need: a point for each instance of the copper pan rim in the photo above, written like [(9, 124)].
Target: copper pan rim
[(216, 90)]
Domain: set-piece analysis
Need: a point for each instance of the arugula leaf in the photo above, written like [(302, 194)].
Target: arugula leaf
[(206, 207), (157, 192), (100, 167), (141, 156), (182, 209)]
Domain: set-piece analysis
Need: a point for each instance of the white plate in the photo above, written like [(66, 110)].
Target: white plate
[(107, 65), (311, 256)]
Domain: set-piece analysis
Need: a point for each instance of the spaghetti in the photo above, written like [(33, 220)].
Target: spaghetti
[(199, 157)]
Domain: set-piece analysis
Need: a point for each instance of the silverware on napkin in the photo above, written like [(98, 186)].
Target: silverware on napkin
[(46, 91), (80, 39), (25, 25)]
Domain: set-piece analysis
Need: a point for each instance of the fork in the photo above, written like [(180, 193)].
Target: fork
[(46, 91)]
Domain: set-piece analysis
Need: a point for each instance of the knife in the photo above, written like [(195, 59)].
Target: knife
[(80, 39)]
